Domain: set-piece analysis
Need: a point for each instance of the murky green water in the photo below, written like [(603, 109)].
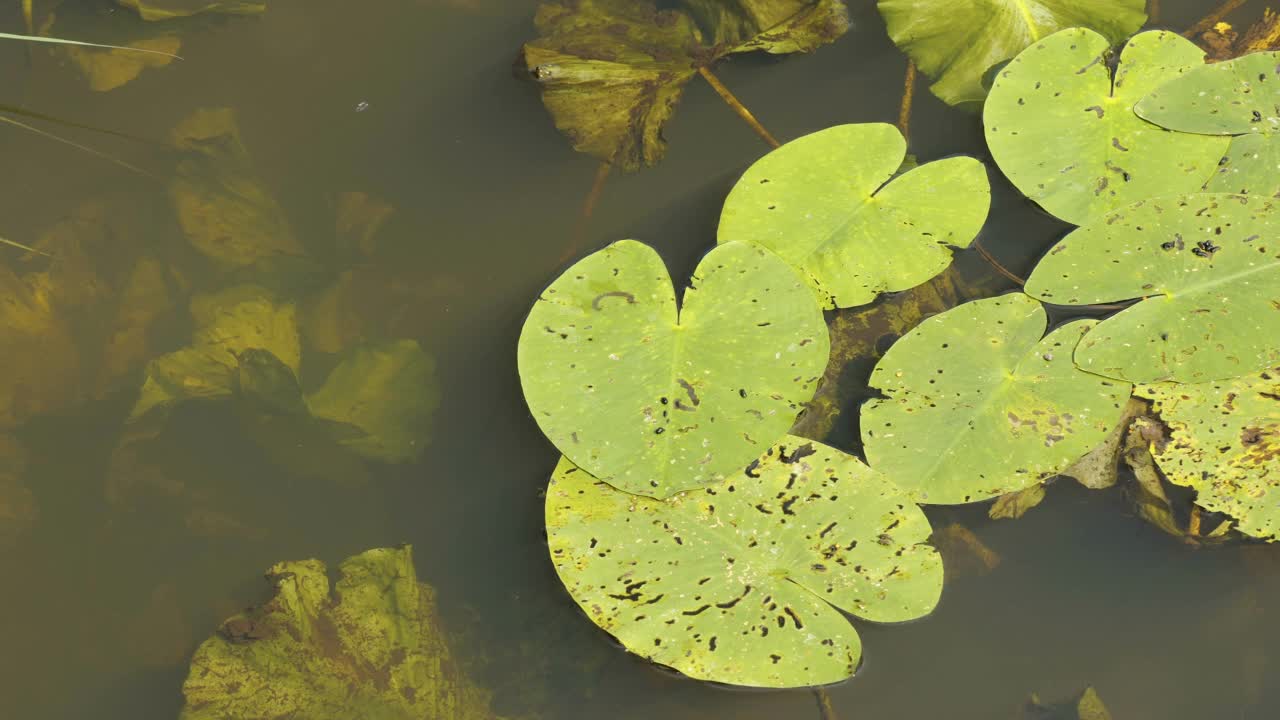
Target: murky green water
[(104, 599)]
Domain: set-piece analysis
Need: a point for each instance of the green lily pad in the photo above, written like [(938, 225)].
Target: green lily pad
[(168, 9), (957, 41), (778, 27), (979, 403), (1228, 98), (826, 205), (1209, 268), (655, 401), (612, 71), (1066, 135), (383, 395), (1224, 442), (744, 582), (228, 323), (370, 649)]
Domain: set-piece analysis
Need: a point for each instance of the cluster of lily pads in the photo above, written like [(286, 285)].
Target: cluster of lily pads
[(686, 520)]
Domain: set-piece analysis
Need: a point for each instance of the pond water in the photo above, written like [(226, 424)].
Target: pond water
[(115, 582)]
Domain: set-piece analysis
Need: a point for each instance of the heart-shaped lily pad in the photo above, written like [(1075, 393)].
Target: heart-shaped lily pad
[(653, 401), (1239, 97), (980, 403), (1066, 135), (957, 41), (826, 205), (740, 583), (1224, 442), (1209, 267)]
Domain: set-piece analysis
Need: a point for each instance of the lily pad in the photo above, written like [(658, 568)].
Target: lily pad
[(168, 9), (957, 41), (228, 323), (778, 27), (1066, 135), (370, 649), (825, 204), (656, 401), (225, 211), (744, 582), (979, 403), (1209, 270), (612, 71), (1224, 442), (384, 393), (1228, 98)]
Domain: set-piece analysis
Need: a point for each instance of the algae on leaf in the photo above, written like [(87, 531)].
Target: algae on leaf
[(744, 582), (655, 400), (957, 41), (773, 26), (370, 648), (383, 395), (612, 71), (979, 403), (827, 205), (1237, 97), (225, 211), (167, 9), (1224, 442), (1066, 134), (1208, 266)]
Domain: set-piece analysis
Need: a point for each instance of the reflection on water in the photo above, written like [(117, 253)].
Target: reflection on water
[(410, 189)]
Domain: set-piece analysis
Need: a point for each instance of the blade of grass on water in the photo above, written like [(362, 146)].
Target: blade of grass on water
[(76, 145), (20, 246), (60, 41)]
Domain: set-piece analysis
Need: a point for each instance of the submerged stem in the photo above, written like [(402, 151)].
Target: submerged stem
[(977, 245), (1208, 21), (825, 710), (908, 93), (1153, 11), (76, 145), (737, 106), (588, 209)]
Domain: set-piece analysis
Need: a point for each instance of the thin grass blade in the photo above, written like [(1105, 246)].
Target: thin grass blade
[(61, 41)]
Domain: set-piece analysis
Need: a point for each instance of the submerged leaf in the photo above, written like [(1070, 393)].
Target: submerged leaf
[(386, 394), (963, 553), (655, 400), (1224, 442), (1097, 470), (957, 41), (1066, 135), (1016, 504), (773, 26), (826, 204), (110, 69), (744, 582), (980, 403), (369, 649), (228, 323), (167, 9), (611, 72), (225, 211), (1088, 706), (144, 299), (1209, 270)]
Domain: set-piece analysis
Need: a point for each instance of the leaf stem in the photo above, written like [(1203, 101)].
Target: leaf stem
[(977, 245), (737, 106), (908, 93), (825, 710), (1153, 11), (1208, 21), (76, 145), (588, 209)]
